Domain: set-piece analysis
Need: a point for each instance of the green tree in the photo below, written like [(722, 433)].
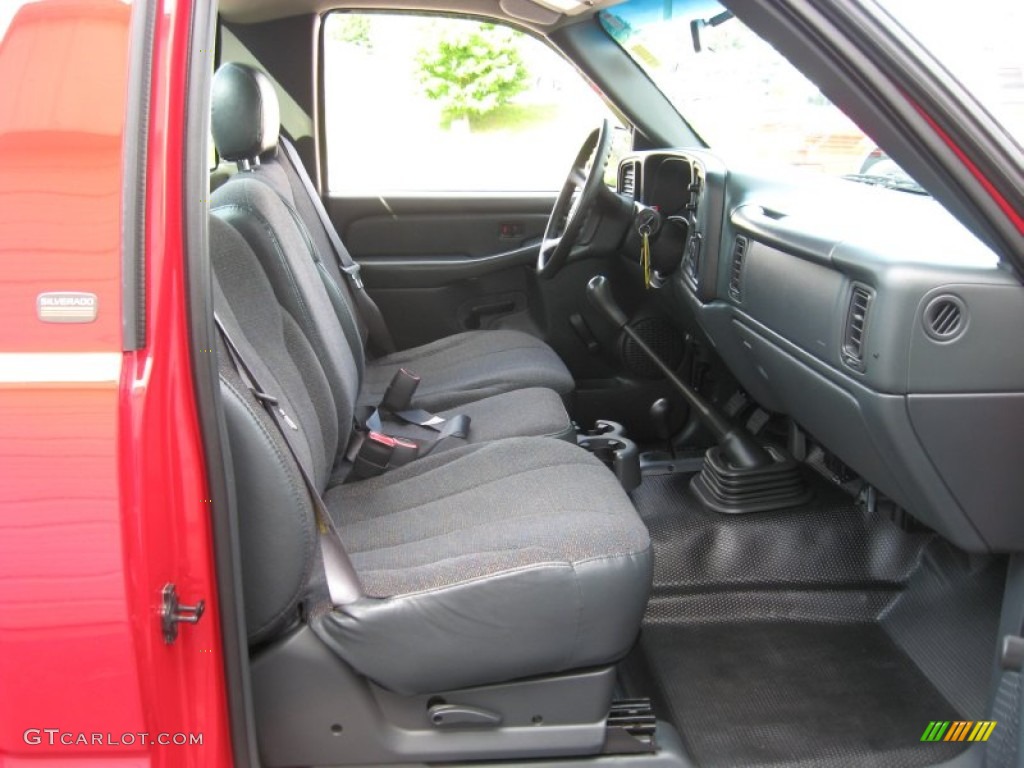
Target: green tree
[(352, 28), (473, 69)]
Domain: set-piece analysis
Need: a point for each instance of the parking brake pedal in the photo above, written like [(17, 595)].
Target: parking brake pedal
[(631, 728)]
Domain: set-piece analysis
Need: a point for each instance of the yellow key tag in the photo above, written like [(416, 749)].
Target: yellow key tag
[(645, 256)]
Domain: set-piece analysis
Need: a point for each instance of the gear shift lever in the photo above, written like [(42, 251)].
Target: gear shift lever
[(661, 416), (738, 446), (737, 475)]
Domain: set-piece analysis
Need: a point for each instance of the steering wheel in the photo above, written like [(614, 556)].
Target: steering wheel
[(575, 201)]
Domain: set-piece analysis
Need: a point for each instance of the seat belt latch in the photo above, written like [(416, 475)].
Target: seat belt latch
[(352, 271), (379, 452), (399, 393)]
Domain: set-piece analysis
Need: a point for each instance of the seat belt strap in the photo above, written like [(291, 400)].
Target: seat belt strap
[(456, 426), (378, 329), (395, 403), (342, 580)]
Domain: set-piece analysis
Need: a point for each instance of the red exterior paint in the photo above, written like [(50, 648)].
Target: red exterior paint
[(101, 484), (1016, 217), (63, 68)]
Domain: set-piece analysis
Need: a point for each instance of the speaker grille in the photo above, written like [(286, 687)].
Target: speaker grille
[(664, 339)]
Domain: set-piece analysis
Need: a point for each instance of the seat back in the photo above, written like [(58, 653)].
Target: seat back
[(278, 219), (276, 519)]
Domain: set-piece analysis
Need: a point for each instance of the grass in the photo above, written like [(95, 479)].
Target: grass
[(515, 117)]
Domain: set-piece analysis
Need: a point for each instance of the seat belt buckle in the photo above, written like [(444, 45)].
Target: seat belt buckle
[(405, 451), (353, 271), (374, 455), (398, 395), (378, 452)]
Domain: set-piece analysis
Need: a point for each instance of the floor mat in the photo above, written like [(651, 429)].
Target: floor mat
[(822, 635), (827, 543), (760, 693)]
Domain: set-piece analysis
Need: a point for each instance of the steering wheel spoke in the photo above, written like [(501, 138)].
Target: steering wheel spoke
[(575, 202)]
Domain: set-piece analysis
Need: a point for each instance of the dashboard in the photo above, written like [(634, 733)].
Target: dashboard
[(870, 316)]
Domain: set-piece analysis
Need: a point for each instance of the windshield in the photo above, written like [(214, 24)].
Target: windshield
[(738, 93), (745, 99), (979, 45)]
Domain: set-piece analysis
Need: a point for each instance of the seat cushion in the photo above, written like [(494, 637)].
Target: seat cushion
[(533, 412), (469, 366), (489, 563)]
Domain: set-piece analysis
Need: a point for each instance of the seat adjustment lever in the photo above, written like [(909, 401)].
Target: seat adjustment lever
[(451, 715)]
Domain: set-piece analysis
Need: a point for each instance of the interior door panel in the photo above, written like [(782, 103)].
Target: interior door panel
[(441, 264), (417, 315), (439, 225)]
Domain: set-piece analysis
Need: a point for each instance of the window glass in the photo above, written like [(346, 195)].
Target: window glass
[(438, 104), (744, 98), (739, 94), (980, 44)]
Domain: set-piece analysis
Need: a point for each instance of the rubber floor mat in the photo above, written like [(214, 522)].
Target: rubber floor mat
[(826, 543), (793, 693), (821, 635)]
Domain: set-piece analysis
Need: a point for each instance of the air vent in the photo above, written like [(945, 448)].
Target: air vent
[(627, 179), (945, 318), (856, 326), (739, 251)]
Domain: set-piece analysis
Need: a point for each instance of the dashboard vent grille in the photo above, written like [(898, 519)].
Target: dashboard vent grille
[(739, 251), (627, 179), (856, 326), (945, 318)]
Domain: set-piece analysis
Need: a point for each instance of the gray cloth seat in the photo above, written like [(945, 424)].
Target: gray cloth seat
[(469, 366), (257, 204), (493, 562), (484, 564), (455, 370), (533, 412)]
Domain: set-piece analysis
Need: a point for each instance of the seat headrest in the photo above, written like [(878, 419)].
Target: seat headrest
[(246, 116)]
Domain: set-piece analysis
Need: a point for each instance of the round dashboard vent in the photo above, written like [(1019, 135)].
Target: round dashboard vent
[(945, 318)]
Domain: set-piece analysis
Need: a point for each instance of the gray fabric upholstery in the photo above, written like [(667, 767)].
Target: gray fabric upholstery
[(256, 204), (423, 526), (535, 412), (515, 558), (338, 286), (246, 115), (455, 370), (280, 242), (468, 366), (481, 564)]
